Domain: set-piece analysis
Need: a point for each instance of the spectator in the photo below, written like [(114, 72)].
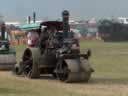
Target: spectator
[(33, 38)]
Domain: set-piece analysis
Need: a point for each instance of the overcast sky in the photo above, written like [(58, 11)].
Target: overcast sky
[(80, 9)]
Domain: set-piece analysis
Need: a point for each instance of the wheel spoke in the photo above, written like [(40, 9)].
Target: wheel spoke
[(27, 66), (62, 71)]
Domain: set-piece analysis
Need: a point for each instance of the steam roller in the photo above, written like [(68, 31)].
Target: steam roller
[(57, 53), (7, 53)]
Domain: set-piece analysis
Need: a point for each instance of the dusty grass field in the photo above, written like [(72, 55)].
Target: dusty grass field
[(110, 61)]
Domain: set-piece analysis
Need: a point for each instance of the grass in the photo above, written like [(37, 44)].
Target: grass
[(110, 61)]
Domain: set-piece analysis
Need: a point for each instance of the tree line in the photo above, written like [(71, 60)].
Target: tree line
[(113, 31)]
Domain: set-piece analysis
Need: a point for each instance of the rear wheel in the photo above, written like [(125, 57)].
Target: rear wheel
[(30, 69)]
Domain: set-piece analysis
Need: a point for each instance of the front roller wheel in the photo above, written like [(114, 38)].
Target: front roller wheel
[(73, 70)]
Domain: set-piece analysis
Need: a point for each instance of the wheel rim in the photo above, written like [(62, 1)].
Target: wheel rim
[(27, 62), (62, 71), (28, 66)]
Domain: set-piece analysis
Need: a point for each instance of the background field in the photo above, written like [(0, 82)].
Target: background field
[(110, 61)]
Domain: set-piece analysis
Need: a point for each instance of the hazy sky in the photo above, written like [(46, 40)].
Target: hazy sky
[(79, 9)]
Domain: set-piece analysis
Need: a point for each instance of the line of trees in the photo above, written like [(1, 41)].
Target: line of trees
[(113, 31)]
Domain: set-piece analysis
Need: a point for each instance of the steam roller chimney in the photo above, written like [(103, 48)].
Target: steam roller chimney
[(28, 19), (34, 17), (66, 28)]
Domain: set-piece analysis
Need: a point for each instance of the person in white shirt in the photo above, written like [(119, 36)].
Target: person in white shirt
[(33, 38)]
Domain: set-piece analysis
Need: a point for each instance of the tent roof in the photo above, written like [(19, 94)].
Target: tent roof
[(31, 26)]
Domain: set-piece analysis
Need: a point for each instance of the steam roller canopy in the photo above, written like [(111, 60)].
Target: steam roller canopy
[(75, 70)]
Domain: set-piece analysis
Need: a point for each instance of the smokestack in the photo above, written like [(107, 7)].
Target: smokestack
[(3, 29), (28, 19), (66, 27), (34, 17)]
